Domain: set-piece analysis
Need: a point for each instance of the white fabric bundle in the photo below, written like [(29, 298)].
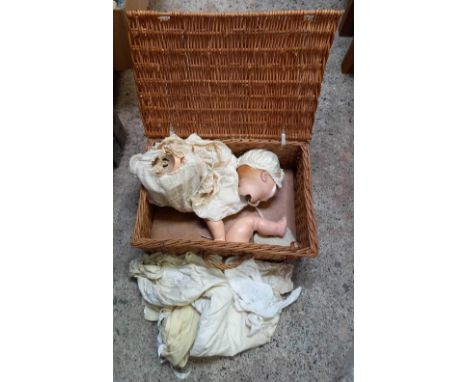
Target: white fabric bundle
[(204, 312)]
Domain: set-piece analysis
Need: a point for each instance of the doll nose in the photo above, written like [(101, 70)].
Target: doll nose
[(248, 198)]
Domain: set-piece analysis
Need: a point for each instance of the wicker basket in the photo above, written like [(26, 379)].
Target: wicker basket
[(248, 79)]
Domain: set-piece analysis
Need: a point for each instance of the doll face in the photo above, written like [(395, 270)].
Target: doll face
[(255, 185), (165, 164)]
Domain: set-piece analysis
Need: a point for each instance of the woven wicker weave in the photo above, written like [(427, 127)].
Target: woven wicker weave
[(244, 79)]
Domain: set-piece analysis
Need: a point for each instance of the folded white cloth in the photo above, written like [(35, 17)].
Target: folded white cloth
[(204, 312)]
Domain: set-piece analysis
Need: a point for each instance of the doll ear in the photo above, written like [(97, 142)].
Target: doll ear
[(264, 176)]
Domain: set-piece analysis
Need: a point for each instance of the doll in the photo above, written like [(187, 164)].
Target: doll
[(204, 177), (259, 175)]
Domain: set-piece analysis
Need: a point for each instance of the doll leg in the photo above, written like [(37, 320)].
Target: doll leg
[(216, 229), (243, 228)]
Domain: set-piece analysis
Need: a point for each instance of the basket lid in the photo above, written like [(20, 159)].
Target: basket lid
[(249, 75)]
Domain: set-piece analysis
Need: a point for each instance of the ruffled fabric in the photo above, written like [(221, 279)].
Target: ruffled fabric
[(206, 183), (204, 312)]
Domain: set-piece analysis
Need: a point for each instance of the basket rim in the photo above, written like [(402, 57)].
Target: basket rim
[(337, 12)]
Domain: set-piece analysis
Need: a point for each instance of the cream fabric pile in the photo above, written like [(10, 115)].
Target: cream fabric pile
[(203, 311)]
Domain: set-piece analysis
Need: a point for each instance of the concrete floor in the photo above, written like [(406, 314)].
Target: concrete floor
[(315, 335)]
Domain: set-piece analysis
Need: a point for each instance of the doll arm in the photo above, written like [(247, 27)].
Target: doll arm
[(216, 229)]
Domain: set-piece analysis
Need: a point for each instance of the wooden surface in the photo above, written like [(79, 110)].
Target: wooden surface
[(347, 30), (121, 47), (347, 66), (346, 27)]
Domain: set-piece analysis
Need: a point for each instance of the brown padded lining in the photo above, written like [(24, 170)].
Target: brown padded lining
[(169, 223)]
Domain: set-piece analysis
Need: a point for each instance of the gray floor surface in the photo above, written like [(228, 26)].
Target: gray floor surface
[(314, 338)]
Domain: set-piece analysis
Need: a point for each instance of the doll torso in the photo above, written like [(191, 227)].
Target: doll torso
[(224, 200)]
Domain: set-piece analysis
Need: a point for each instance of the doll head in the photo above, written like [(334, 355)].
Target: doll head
[(179, 173), (166, 163), (170, 155), (259, 175)]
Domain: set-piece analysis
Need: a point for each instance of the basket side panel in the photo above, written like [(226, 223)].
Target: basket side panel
[(305, 219), (144, 217)]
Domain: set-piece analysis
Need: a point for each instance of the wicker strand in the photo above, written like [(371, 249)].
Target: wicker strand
[(224, 265)]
